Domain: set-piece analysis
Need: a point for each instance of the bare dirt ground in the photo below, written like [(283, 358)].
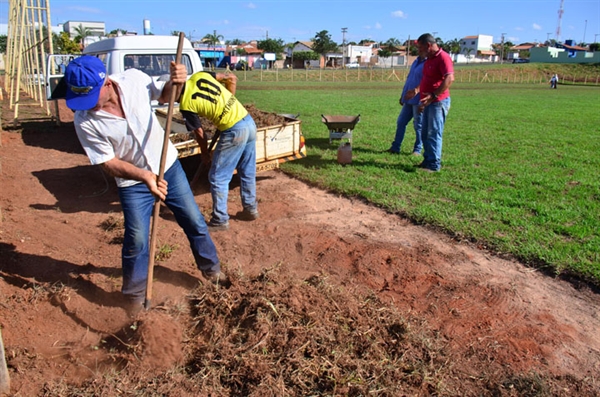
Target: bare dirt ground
[(328, 296)]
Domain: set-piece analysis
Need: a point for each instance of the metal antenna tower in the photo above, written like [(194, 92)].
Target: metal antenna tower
[(560, 14)]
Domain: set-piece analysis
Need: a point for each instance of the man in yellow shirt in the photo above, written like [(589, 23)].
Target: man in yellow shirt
[(204, 95)]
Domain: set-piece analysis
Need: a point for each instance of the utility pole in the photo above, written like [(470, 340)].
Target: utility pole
[(407, 50), (294, 42), (548, 38), (344, 30), (584, 29), (596, 35), (215, 48), (502, 48)]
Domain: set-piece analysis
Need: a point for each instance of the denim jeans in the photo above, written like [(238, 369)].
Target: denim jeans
[(434, 118), (407, 113), (137, 203), (236, 150)]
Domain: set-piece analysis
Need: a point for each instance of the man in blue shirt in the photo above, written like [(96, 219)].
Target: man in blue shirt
[(409, 100)]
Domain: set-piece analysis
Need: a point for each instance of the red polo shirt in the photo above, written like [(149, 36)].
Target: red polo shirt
[(436, 68)]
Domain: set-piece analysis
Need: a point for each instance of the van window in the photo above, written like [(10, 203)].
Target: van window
[(154, 64)]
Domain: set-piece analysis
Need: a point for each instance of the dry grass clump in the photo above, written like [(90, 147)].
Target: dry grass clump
[(272, 336)]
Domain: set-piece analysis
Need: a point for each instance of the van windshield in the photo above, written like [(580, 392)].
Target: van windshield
[(155, 64)]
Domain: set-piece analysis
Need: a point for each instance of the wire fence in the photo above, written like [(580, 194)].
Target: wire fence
[(508, 76)]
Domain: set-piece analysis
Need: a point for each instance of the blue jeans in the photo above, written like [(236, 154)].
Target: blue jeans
[(236, 150), (137, 203), (407, 113), (434, 118)]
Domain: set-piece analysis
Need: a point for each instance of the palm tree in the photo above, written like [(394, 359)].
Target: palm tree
[(468, 52), (452, 46), (82, 33), (213, 39)]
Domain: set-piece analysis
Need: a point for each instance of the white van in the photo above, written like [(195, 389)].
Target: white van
[(150, 54)]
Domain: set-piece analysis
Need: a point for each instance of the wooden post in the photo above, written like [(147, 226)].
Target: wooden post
[(4, 378)]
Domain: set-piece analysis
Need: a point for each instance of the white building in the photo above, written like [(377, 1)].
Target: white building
[(358, 53), (96, 28), (478, 47)]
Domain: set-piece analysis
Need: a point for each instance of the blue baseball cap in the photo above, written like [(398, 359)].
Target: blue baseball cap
[(85, 77)]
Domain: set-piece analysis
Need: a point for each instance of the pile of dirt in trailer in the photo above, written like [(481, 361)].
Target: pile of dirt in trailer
[(274, 335), (261, 118)]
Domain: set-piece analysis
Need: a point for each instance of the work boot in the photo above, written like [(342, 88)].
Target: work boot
[(133, 306), (215, 226), (216, 278), (248, 215)]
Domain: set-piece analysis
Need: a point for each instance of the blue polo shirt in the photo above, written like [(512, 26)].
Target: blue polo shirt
[(413, 80)]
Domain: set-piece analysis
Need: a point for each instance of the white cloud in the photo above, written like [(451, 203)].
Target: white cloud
[(399, 14), (226, 22), (519, 29), (378, 25), (251, 5), (537, 27)]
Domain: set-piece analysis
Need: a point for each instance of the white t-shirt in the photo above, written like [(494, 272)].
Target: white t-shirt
[(137, 138)]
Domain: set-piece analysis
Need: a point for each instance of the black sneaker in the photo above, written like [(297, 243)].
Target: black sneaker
[(214, 226), (391, 151)]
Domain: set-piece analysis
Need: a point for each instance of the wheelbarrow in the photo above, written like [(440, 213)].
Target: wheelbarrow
[(340, 127)]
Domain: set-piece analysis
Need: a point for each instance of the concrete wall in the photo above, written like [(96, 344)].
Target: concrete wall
[(561, 55)]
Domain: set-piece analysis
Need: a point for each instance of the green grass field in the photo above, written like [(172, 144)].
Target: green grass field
[(520, 163)]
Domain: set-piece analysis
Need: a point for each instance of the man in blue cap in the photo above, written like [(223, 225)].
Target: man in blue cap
[(119, 131)]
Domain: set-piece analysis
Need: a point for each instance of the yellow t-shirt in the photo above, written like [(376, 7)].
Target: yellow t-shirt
[(208, 98)]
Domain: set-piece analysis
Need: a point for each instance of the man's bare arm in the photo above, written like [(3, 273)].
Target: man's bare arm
[(178, 76), (125, 170)]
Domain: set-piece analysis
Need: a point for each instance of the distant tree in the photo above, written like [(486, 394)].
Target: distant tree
[(3, 41), (452, 46), (524, 54), (275, 46), (212, 38), (385, 54), (63, 44), (117, 31), (306, 55), (468, 52), (595, 47), (234, 42), (392, 42), (175, 32), (365, 41), (322, 43), (81, 34)]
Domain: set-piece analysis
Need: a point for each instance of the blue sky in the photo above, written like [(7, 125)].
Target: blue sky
[(519, 20)]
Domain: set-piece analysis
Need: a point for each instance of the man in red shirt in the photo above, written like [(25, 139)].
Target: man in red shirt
[(438, 75)]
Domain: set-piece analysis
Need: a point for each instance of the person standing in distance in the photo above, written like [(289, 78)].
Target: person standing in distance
[(438, 75), (203, 95), (409, 100), (119, 131)]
